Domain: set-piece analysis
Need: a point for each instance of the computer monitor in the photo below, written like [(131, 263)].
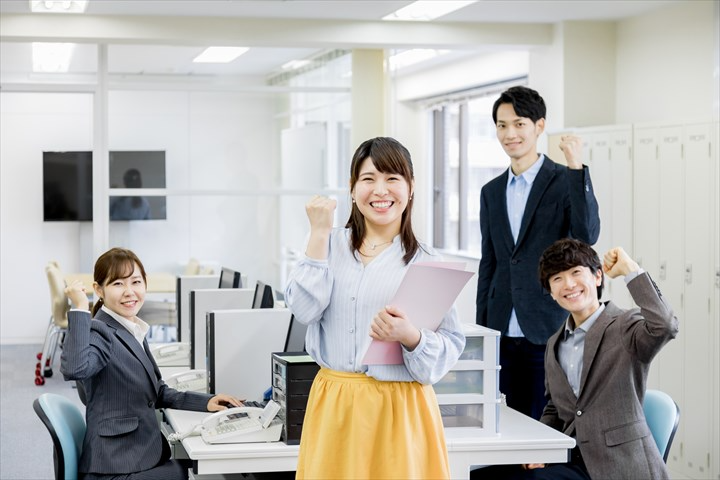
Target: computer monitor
[(295, 341), (229, 278), (263, 296)]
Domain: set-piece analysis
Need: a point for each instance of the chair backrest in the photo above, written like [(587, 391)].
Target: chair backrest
[(193, 267), (58, 299), (66, 425), (662, 415)]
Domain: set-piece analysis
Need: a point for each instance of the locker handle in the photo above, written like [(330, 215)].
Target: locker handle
[(663, 271), (688, 274)]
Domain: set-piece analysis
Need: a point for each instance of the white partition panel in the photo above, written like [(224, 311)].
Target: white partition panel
[(240, 344), (203, 301)]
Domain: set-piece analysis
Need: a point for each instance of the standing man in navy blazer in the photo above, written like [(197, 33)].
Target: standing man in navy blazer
[(522, 212)]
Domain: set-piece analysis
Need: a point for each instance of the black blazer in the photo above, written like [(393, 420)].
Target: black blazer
[(123, 388), (561, 204)]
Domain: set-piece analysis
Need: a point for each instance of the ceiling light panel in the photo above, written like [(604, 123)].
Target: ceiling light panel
[(426, 10), (220, 54), (56, 6)]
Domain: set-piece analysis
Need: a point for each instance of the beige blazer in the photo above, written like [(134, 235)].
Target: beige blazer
[(607, 418)]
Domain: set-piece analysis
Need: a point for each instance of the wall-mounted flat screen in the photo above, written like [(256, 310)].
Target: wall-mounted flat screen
[(67, 186)]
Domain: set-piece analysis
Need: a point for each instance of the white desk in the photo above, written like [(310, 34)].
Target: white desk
[(522, 440)]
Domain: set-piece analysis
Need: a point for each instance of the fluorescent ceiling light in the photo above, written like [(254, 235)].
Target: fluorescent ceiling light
[(426, 10), (220, 54), (52, 57), (411, 57), (56, 6)]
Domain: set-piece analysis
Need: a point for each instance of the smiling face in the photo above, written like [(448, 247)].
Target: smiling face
[(518, 136), (124, 296), (381, 197), (575, 290)]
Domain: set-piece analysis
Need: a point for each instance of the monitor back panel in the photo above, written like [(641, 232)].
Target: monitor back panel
[(205, 300), (240, 347)]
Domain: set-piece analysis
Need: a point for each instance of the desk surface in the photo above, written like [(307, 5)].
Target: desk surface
[(522, 440)]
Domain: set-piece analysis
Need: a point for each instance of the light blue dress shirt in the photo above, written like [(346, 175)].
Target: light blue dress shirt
[(572, 348), (516, 194), (337, 298)]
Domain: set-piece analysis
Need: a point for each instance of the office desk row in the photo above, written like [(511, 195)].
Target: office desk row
[(521, 440)]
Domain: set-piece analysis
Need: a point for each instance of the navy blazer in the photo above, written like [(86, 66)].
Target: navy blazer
[(561, 204), (123, 387)]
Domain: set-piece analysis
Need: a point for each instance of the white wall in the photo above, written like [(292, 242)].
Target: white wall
[(29, 124), (665, 65)]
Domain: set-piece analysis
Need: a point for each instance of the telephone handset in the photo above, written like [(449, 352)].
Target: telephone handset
[(190, 381), (239, 425), (171, 354)]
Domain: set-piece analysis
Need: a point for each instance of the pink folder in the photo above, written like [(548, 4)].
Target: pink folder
[(426, 293)]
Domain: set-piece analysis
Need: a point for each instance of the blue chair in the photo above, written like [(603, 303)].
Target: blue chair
[(66, 424), (662, 415)]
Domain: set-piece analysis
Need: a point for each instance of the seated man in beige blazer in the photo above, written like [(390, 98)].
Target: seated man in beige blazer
[(596, 367)]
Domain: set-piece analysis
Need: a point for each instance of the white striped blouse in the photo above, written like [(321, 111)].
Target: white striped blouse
[(338, 297)]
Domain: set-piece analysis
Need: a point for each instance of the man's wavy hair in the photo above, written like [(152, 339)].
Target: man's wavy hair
[(565, 254)]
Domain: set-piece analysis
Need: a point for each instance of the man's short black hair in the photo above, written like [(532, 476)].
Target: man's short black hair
[(525, 101), (565, 254)]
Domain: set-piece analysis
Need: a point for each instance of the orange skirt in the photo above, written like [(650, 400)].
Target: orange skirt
[(357, 427)]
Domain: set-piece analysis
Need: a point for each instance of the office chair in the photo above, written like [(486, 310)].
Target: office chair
[(58, 323), (66, 424), (662, 415), (193, 267)]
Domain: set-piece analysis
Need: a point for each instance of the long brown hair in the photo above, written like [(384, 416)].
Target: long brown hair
[(389, 156), (113, 264)]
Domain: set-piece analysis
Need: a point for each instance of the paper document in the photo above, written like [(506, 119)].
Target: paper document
[(426, 293)]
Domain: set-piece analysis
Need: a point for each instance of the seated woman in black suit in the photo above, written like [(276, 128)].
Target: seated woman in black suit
[(109, 356)]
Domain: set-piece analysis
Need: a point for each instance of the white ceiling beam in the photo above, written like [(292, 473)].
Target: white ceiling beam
[(266, 32)]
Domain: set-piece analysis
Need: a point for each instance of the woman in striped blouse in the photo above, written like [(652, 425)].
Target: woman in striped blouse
[(369, 421)]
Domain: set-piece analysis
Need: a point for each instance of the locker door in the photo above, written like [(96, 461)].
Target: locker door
[(601, 176), (696, 320), (671, 278), (670, 274), (715, 314), (621, 214), (646, 211), (646, 199)]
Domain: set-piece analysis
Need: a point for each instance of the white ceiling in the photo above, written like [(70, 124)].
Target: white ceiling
[(129, 58)]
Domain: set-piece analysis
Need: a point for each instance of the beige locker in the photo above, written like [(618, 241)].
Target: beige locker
[(675, 183), (609, 160)]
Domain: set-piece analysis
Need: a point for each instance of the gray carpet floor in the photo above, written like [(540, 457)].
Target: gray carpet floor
[(25, 444)]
